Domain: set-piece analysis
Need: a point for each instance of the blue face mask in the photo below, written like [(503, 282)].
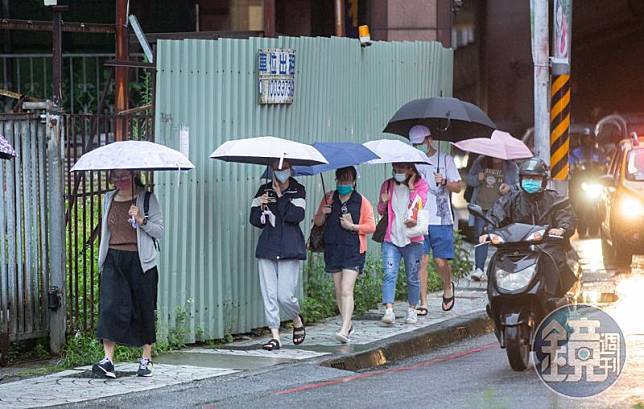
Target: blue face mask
[(344, 190), (531, 186), (282, 175)]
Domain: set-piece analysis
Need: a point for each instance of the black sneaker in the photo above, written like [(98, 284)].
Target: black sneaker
[(145, 368), (104, 369)]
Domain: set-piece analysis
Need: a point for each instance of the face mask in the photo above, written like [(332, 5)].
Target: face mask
[(282, 175), (400, 177), (422, 148), (531, 186), (344, 190)]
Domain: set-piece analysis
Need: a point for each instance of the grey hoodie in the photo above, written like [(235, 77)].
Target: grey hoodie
[(145, 235)]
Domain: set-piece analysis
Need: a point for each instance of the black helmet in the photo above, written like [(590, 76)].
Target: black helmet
[(534, 167)]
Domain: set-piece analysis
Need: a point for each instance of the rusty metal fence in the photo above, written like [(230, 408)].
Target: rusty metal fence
[(24, 244), (83, 210)]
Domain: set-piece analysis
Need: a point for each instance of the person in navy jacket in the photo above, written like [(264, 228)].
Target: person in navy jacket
[(278, 209)]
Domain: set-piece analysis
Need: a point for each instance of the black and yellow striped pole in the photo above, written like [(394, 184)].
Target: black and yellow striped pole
[(559, 126)]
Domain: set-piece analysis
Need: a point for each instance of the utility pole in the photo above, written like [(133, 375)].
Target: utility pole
[(339, 18), (269, 18), (121, 73), (560, 94), (57, 55), (540, 58)]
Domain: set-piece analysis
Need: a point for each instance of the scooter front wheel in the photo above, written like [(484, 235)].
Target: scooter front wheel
[(517, 346)]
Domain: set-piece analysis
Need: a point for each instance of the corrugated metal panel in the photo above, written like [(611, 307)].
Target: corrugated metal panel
[(24, 245), (343, 92)]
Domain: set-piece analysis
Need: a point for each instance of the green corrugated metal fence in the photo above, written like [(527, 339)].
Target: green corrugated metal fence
[(343, 93)]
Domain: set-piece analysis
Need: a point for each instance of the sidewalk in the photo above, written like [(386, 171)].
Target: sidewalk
[(373, 344), (246, 357)]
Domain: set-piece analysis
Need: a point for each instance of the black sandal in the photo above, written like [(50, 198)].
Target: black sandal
[(299, 333), (272, 345), (422, 311), (449, 300)]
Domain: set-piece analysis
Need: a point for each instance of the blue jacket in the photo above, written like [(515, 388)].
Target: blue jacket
[(285, 241)]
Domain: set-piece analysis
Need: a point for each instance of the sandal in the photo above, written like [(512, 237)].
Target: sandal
[(422, 311), (272, 345), (449, 300), (299, 333)]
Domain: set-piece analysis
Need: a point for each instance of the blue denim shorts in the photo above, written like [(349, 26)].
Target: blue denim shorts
[(440, 242)]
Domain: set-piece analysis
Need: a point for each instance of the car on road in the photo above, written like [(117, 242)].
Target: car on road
[(621, 206)]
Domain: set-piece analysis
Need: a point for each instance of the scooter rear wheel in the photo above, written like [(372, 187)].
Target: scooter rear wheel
[(517, 346)]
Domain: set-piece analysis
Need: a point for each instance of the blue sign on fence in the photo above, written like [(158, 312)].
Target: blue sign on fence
[(276, 75)]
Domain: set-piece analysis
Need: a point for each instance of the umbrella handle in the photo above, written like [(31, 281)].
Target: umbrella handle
[(131, 220), (323, 189), (438, 161)]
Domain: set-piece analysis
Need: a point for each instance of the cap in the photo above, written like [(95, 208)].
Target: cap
[(418, 133)]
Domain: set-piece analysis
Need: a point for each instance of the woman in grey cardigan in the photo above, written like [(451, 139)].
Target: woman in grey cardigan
[(132, 224)]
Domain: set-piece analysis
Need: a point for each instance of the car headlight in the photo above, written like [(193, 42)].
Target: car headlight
[(630, 207), (515, 281), (592, 190)]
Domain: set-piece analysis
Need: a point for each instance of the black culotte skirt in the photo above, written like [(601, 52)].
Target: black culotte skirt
[(128, 300)]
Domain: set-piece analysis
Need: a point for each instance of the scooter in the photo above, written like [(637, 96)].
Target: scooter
[(585, 192), (517, 298)]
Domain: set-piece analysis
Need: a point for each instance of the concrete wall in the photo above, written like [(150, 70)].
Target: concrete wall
[(399, 20)]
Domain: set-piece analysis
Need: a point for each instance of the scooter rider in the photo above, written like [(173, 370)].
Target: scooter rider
[(528, 205)]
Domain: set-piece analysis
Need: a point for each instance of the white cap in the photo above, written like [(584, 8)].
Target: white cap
[(418, 133)]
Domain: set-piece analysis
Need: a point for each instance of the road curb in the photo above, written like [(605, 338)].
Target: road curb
[(413, 343)]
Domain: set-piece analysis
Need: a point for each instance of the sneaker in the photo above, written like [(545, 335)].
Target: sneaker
[(104, 369), (145, 368), (389, 317), (412, 316), (478, 275)]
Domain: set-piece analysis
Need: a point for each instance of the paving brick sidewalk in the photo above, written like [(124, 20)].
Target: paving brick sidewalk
[(195, 364), (201, 363)]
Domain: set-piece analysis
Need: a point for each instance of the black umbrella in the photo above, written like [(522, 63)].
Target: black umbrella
[(449, 119)]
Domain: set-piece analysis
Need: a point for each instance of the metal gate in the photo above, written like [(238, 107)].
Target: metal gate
[(24, 251), (83, 206)]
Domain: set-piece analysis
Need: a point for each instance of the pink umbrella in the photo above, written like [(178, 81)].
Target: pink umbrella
[(501, 145)]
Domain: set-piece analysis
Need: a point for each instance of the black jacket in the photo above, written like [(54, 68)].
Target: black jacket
[(520, 207), (285, 241)]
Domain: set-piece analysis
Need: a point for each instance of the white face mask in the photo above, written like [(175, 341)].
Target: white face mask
[(400, 177)]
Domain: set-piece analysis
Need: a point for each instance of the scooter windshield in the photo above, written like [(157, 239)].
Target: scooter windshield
[(518, 232)]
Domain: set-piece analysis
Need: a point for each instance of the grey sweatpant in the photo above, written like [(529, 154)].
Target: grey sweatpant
[(278, 282)]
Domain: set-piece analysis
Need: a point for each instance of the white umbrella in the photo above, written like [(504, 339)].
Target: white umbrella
[(133, 155), (267, 149), (394, 151)]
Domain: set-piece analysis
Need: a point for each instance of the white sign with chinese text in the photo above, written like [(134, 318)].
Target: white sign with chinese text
[(276, 75)]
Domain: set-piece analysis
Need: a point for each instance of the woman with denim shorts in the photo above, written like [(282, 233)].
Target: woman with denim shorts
[(348, 219)]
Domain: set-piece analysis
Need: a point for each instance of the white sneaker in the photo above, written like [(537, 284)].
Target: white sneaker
[(478, 275), (412, 316), (389, 317)]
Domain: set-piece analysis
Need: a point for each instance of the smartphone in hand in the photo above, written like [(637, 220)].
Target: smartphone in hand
[(272, 195)]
